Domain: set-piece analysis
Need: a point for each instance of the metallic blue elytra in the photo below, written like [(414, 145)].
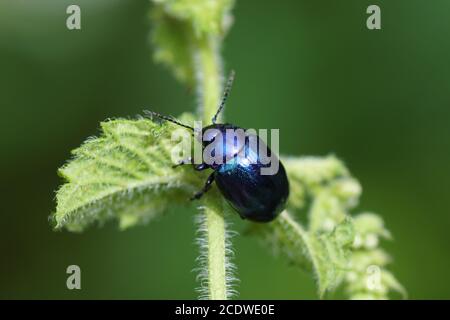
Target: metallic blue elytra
[(256, 197)]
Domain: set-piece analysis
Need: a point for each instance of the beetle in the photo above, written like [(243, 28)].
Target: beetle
[(256, 197)]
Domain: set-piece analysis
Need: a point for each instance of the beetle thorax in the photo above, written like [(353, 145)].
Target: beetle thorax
[(224, 141)]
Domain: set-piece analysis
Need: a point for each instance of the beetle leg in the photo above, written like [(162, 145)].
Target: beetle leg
[(197, 167), (201, 167), (205, 188), (183, 162)]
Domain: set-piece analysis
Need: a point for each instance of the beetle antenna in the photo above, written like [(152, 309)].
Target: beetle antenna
[(225, 95), (153, 114)]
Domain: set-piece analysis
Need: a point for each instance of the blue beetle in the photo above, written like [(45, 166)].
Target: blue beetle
[(254, 196)]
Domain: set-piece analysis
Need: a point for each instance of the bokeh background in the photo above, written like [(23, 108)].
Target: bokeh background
[(379, 100)]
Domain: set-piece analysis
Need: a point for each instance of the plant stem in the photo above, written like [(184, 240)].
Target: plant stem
[(208, 65), (215, 228)]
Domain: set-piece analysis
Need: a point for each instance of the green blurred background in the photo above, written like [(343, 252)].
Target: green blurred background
[(377, 99)]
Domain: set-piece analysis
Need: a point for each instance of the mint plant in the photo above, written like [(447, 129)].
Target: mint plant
[(126, 174)]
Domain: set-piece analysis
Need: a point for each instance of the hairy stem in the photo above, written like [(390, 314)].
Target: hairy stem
[(209, 75), (215, 229), (207, 63)]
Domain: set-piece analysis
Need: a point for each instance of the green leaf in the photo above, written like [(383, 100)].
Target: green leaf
[(125, 173), (331, 252), (171, 39), (206, 17), (368, 277), (333, 246), (326, 254), (286, 237), (177, 26)]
